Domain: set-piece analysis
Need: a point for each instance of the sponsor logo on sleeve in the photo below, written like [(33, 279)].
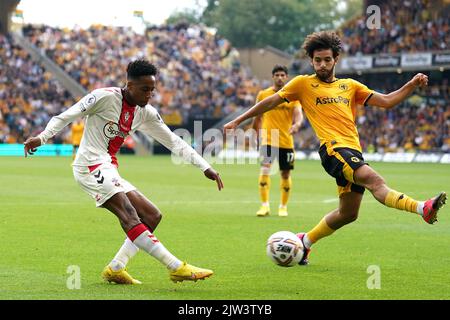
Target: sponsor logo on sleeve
[(82, 107)]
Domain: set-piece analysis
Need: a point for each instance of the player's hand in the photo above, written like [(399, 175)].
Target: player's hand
[(230, 126), (294, 129), (30, 145), (210, 173), (420, 80)]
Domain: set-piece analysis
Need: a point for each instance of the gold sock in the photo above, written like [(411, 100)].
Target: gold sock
[(320, 231), (264, 187), (401, 201), (285, 186)]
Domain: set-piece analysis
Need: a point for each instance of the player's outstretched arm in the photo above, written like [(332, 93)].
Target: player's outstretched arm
[(212, 174), (392, 99), (297, 119), (57, 123), (30, 145), (261, 107)]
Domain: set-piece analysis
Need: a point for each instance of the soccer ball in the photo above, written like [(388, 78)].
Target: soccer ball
[(284, 248)]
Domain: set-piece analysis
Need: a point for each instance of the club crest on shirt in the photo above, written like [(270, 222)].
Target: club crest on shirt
[(127, 116), (343, 86)]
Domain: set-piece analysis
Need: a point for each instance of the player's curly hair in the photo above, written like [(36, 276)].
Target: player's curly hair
[(139, 68), (322, 40)]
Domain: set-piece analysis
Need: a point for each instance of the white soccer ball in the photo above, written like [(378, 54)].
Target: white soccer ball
[(284, 248)]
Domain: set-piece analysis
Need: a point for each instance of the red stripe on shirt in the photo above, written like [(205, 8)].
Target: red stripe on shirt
[(125, 121)]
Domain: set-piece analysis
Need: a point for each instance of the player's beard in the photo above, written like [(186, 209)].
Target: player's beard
[(325, 75)]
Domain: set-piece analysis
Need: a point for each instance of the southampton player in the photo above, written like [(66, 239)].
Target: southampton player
[(284, 120), (329, 104), (111, 115)]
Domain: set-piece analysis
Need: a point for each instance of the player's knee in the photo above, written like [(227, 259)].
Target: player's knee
[(285, 174), (376, 182)]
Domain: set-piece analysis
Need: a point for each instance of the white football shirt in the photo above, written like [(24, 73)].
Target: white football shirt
[(109, 120)]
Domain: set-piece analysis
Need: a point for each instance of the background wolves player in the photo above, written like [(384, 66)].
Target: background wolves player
[(111, 115), (329, 104), (286, 118), (77, 129)]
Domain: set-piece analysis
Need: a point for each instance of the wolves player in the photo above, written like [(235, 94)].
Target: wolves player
[(286, 118), (330, 106), (111, 115)]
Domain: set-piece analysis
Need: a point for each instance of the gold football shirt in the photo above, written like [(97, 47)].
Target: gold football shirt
[(329, 107), (279, 118)]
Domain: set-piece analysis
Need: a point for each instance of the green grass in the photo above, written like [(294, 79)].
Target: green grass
[(47, 223)]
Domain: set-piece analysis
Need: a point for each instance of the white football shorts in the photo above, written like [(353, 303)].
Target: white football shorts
[(102, 183)]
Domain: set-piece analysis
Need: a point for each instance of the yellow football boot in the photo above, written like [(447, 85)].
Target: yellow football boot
[(188, 272), (263, 211), (119, 277), (282, 212)]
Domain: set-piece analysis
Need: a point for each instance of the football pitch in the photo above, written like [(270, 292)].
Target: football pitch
[(49, 227)]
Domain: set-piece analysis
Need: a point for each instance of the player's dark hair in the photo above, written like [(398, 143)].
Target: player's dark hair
[(278, 68), (139, 68), (322, 40)]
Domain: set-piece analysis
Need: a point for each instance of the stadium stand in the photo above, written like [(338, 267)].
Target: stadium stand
[(29, 96), (408, 26), (199, 78)]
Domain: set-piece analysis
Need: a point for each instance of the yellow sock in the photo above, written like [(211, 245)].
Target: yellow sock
[(285, 186), (264, 187), (320, 231), (395, 199)]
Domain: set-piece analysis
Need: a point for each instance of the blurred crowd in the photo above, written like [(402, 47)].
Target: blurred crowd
[(406, 26), (200, 76), (199, 73), (29, 96), (422, 122)]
